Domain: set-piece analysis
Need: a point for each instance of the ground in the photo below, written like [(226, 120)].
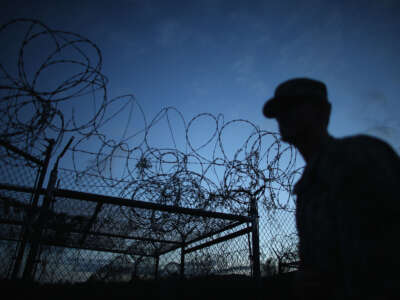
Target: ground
[(212, 287)]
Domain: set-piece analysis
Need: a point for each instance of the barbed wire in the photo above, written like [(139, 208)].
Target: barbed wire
[(202, 176), (30, 112), (224, 172)]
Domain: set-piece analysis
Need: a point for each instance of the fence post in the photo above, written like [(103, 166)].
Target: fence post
[(44, 210), (157, 260), (27, 224), (182, 271), (255, 238), (38, 227)]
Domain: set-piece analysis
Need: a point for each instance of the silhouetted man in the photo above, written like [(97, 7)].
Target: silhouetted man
[(347, 206)]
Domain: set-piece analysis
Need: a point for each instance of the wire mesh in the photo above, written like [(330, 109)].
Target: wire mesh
[(278, 242), (15, 170), (124, 241), (228, 257)]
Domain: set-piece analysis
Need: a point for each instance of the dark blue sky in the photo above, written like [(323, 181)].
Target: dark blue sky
[(228, 56)]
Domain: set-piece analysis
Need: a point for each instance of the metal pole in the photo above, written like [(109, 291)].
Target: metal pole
[(279, 266), (182, 271), (157, 260), (27, 226), (255, 238), (38, 228), (44, 210)]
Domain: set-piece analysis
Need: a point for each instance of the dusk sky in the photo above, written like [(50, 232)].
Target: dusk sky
[(219, 57), (227, 57)]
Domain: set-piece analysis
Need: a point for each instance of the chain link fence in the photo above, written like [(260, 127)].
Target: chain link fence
[(111, 240), (16, 169), (278, 242), (94, 236)]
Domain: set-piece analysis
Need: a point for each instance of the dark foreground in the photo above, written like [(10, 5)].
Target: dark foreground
[(212, 287)]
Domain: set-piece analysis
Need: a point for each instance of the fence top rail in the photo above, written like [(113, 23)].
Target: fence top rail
[(83, 247), (211, 234), (70, 194), (148, 205), (14, 149)]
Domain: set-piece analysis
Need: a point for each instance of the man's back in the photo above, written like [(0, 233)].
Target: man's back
[(348, 213)]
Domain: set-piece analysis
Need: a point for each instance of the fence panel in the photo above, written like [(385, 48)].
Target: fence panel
[(278, 241), (16, 169), (89, 240), (90, 236)]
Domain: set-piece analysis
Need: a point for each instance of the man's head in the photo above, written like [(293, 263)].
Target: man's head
[(301, 108)]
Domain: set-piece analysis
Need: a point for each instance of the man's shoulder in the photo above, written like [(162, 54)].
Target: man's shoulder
[(359, 156), (354, 157), (360, 140), (358, 146)]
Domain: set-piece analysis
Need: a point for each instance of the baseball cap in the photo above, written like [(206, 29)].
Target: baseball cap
[(292, 92)]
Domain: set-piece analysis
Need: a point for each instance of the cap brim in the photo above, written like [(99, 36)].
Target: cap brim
[(270, 108)]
